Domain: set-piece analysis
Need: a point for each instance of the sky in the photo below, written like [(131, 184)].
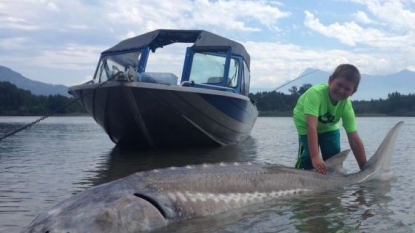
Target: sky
[(59, 42)]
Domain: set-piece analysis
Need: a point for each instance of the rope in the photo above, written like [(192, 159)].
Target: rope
[(285, 84), (37, 121), (56, 110)]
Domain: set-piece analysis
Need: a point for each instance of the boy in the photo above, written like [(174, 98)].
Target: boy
[(316, 118)]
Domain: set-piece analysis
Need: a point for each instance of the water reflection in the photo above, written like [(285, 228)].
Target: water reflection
[(349, 209), (123, 162), (342, 210), (62, 156)]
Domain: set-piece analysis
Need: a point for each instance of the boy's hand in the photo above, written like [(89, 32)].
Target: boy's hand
[(319, 165)]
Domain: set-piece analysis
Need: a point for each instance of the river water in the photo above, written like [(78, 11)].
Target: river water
[(62, 156)]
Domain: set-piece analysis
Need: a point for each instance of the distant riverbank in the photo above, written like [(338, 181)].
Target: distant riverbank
[(289, 114)]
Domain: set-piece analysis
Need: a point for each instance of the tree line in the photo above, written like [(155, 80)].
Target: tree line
[(18, 102), (280, 104)]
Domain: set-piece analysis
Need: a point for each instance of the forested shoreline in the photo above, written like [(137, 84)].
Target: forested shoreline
[(280, 104), (19, 102)]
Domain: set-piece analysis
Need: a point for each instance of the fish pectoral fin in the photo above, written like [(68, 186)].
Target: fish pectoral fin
[(335, 163)]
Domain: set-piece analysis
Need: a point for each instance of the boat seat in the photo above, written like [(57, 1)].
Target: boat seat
[(214, 80), (158, 77), (132, 74)]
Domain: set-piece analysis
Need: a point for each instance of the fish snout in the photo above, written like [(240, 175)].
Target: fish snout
[(127, 214)]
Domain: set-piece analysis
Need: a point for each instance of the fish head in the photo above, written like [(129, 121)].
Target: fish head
[(129, 213)]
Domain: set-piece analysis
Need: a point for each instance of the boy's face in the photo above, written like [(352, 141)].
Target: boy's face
[(340, 89)]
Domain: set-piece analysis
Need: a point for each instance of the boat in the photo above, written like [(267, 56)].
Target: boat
[(144, 106)]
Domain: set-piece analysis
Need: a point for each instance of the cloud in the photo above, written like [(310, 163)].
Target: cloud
[(361, 16), (227, 15), (351, 33), (377, 36), (274, 69), (348, 33), (396, 14), (61, 25), (13, 43), (52, 7), (17, 23)]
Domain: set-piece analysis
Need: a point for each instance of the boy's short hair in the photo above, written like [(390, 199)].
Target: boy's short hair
[(349, 72)]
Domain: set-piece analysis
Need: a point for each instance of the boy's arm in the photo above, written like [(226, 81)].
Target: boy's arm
[(358, 148), (312, 140)]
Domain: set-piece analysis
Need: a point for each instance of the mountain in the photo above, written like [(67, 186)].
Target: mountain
[(370, 87), (37, 88)]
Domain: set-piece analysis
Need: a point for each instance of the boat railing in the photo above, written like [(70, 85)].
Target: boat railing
[(209, 86)]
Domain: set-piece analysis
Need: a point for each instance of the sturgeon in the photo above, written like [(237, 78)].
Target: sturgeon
[(152, 199)]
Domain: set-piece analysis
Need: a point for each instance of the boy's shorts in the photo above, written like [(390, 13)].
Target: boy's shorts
[(329, 143)]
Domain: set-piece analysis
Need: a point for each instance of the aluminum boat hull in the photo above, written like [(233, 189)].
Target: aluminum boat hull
[(151, 115)]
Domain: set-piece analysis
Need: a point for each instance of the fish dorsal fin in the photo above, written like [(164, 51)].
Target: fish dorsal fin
[(335, 163)]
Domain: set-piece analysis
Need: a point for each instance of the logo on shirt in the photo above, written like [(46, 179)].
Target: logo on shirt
[(327, 118)]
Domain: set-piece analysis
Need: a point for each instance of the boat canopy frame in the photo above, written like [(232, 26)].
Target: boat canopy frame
[(201, 39), (127, 51)]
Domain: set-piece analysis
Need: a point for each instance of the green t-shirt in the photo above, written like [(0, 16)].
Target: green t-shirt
[(316, 102)]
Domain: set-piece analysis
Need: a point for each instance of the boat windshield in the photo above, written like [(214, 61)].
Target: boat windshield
[(112, 64), (210, 69)]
